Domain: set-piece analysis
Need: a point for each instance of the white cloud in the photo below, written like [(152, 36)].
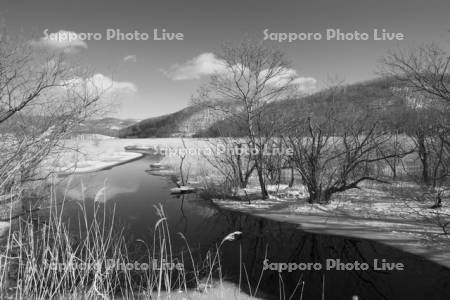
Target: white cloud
[(105, 83), (282, 76), (203, 65), (130, 58), (207, 64), (63, 40), (290, 76), (101, 84), (305, 84)]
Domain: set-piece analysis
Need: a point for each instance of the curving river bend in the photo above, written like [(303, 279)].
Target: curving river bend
[(132, 194)]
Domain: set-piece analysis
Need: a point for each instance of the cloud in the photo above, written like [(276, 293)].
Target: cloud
[(207, 64), (130, 58), (107, 84), (203, 65), (290, 76), (101, 84), (305, 84), (63, 40), (283, 76)]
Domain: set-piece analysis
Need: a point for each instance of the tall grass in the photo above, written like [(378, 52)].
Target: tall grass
[(54, 257), (44, 258)]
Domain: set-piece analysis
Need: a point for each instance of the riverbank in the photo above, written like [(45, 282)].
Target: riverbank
[(90, 155), (100, 163), (374, 212)]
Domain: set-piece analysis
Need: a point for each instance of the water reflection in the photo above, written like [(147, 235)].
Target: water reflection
[(135, 193), (279, 242)]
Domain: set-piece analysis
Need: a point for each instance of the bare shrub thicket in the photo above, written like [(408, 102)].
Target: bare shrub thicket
[(335, 150), (425, 73), (230, 159)]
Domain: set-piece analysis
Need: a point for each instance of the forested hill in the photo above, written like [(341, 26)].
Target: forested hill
[(375, 97), (104, 126), (185, 122), (378, 98)]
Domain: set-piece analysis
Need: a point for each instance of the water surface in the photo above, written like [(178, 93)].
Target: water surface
[(132, 193)]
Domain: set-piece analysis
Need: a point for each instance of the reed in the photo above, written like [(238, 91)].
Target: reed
[(52, 257)]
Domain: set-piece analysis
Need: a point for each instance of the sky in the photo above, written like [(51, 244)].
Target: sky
[(156, 77)]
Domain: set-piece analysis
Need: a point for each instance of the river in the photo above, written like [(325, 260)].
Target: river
[(132, 194)]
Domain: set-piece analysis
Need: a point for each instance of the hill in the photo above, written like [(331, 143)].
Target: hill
[(185, 122), (375, 97), (104, 126), (379, 98)]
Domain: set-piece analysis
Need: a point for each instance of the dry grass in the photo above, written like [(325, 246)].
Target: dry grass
[(48, 258)]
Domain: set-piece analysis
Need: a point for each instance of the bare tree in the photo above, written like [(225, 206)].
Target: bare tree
[(42, 98), (425, 69), (426, 74), (231, 159), (276, 160), (425, 123), (394, 163), (183, 166), (251, 78), (334, 151)]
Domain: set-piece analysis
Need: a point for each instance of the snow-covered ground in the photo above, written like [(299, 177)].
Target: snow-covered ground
[(98, 163), (386, 213), (90, 155)]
